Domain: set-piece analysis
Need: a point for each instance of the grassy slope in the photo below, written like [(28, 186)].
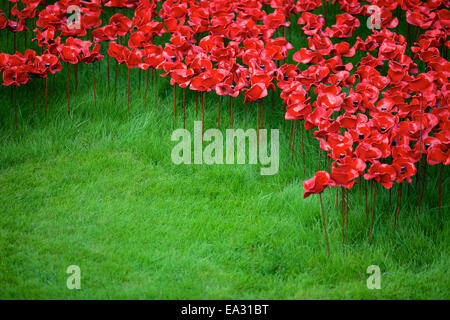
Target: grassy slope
[(98, 189)]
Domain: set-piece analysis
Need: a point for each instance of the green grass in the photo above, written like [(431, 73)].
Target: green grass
[(98, 189)]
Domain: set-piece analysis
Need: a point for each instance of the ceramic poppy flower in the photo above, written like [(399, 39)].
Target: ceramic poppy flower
[(92, 56), (16, 26), (285, 75), (227, 88), (423, 82), (313, 75), (306, 56), (105, 33), (118, 52), (28, 12), (199, 20), (69, 31), (15, 76), (205, 81), (343, 49), (155, 29), (329, 97), (51, 16), (298, 105), (121, 3), (383, 121), (47, 37), (420, 16), (347, 121), (51, 63), (180, 74), (405, 169), (153, 56), (90, 19), (352, 101), (443, 20), (174, 10), (307, 5), (383, 173), (321, 44), (273, 52), (391, 49), (397, 71), (344, 175), (313, 23), (340, 145), (68, 54), (438, 153), (134, 59), (121, 23), (352, 7), (275, 20), (298, 111), (319, 114), (367, 152), (325, 129), (317, 184), (3, 21), (259, 67), (345, 26), (256, 92)]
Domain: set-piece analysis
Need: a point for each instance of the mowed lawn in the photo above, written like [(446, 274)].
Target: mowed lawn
[(98, 189)]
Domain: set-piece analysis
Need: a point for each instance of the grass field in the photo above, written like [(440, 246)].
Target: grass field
[(98, 189)]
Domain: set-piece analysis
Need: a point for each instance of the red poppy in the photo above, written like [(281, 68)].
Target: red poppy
[(15, 76), (307, 5), (51, 63), (367, 152), (321, 44), (382, 173), (93, 55), (313, 23), (345, 26), (29, 12), (317, 184), (105, 33), (307, 56), (121, 3), (206, 81), (3, 21), (275, 20), (405, 169), (16, 26), (122, 23), (68, 54), (344, 175), (153, 56), (314, 118), (256, 92), (420, 16)]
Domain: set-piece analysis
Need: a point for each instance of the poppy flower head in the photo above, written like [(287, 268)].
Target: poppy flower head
[(317, 184), (256, 92), (382, 173)]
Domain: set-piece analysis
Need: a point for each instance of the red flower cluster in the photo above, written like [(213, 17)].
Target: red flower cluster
[(374, 119), (19, 68)]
